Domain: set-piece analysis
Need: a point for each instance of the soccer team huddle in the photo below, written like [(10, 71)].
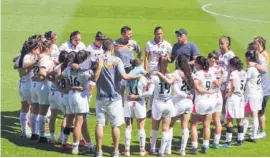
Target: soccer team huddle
[(201, 90)]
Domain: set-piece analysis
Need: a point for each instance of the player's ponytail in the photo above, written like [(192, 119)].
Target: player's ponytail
[(252, 56), (182, 63), (81, 56), (71, 57), (24, 51)]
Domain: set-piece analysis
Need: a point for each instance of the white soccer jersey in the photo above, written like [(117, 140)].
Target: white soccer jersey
[(45, 62), (253, 84), (138, 88), (78, 78), (55, 53), (180, 87), (155, 51), (240, 78), (206, 78), (29, 58), (224, 59), (95, 51), (217, 70), (67, 46), (162, 90)]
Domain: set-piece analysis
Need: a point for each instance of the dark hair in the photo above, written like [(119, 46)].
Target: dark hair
[(71, 57), (49, 35), (182, 63), (157, 28), (253, 46), (203, 62), (251, 54), (74, 33), (107, 44), (213, 54), (236, 62), (81, 56), (124, 29), (45, 45), (62, 56), (261, 40), (135, 62), (24, 51), (228, 38)]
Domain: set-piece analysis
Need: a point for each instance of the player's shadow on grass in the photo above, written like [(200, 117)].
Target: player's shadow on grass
[(10, 130)]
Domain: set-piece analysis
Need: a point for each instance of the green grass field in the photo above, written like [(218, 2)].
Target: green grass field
[(21, 19)]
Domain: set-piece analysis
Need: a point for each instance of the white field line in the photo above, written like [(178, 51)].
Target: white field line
[(204, 8)]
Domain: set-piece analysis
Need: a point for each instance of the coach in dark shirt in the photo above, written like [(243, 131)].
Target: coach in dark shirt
[(183, 46)]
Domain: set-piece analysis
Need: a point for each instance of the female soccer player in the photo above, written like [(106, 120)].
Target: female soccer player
[(52, 37), (134, 106), (224, 55), (261, 43), (253, 95), (163, 108), (78, 100), (54, 96), (219, 73), (204, 85), (42, 86), (24, 87), (235, 100), (183, 86)]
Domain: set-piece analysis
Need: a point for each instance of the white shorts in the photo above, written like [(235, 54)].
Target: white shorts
[(64, 104), (24, 91), (34, 92), (109, 111), (54, 98), (78, 102), (182, 106), (253, 103), (162, 109), (43, 90), (235, 107), (135, 109), (204, 104), (219, 103)]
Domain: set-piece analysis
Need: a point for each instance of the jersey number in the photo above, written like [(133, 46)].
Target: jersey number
[(166, 86), (259, 79), (35, 70), (242, 85), (74, 81), (208, 85), (184, 86), (62, 83)]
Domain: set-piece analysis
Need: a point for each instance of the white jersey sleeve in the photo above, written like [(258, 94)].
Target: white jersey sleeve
[(253, 83), (180, 87), (46, 62)]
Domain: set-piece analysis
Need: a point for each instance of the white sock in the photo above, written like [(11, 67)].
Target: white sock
[(206, 143), (185, 135), (164, 141), (255, 126), (52, 136), (23, 122), (75, 146), (245, 124), (194, 145), (169, 145), (217, 138), (153, 139), (41, 125), (127, 138), (141, 134), (33, 122), (228, 137)]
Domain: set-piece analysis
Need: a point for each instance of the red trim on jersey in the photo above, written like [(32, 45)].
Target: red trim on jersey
[(194, 109)]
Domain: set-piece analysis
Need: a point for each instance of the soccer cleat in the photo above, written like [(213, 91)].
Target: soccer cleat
[(239, 143), (193, 151), (83, 142), (92, 149), (160, 155), (98, 154), (115, 154), (66, 147), (203, 150), (182, 152), (143, 152), (126, 152), (252, 140), (75, 151), (34, 137), (43, 140), (261, 135), (226, 145), (215, 146), (168, 152)]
